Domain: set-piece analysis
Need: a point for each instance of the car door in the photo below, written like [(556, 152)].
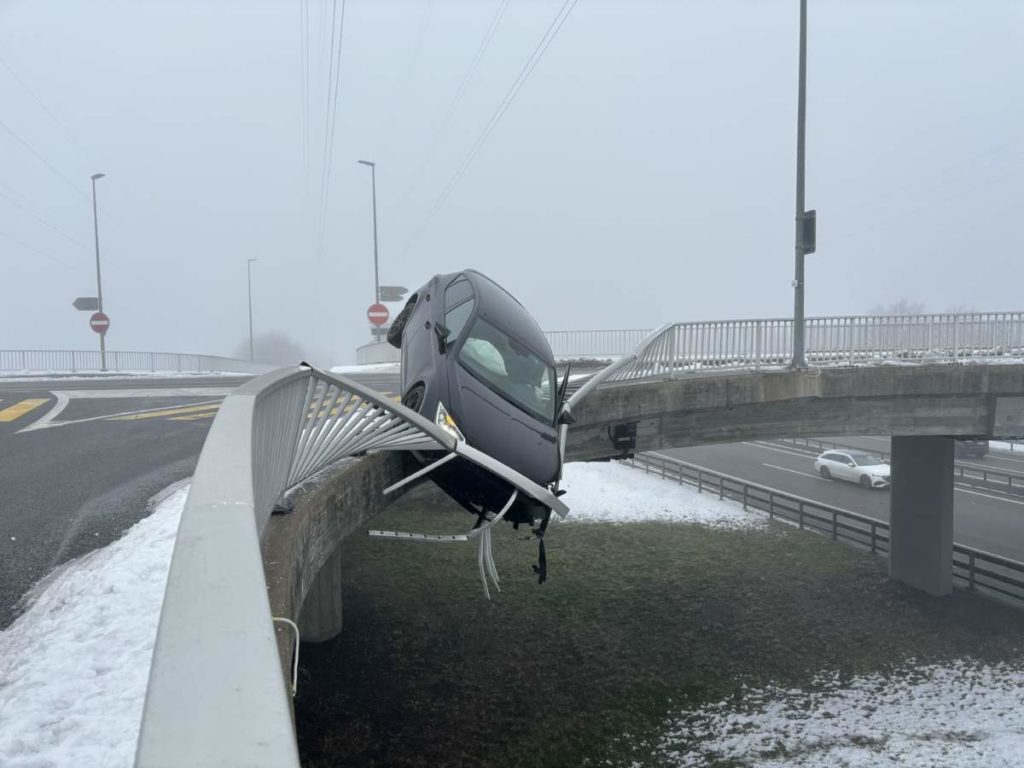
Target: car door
[(845, 468)]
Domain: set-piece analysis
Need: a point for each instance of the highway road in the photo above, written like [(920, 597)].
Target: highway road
[(81, 456), (984, 518)]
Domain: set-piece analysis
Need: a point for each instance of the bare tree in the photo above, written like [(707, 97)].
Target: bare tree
[(273, 349), (901, 307)]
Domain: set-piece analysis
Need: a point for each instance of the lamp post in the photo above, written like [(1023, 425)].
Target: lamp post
[(248, 269), (99, 282), (799, 360), (376, 267)]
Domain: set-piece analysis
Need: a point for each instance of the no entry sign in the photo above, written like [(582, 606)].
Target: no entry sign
[(99, 322), (377, 314)]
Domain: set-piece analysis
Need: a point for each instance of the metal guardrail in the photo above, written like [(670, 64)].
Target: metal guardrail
[(767, 343), (78, 361), (998, 477), (216, 693), (973, 569)]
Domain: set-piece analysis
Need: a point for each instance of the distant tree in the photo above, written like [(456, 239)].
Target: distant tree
[(273, 349), (901, 307), (958, 309)]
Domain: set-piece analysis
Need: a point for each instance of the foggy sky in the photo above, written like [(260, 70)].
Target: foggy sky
[(644, 174)]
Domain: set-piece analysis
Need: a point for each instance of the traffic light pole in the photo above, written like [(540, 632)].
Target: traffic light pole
[(799, 358)]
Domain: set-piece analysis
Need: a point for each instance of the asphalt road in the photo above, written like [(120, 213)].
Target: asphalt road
[(81, 457), (983, 518)]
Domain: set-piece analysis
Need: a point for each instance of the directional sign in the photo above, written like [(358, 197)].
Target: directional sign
[(86, 303), (377, 314), (99, 322), (392, 292)]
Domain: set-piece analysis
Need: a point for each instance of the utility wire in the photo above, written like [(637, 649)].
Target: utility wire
[(44, 222), (330, 118), (304, 66), (44, 254), (45, 162), (63, 126), (467, 79), (513, 91)]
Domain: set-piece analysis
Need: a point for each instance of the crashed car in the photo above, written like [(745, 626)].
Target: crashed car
[(477, 364)]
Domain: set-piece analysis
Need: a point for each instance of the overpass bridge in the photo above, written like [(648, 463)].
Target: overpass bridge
[(922, 380)]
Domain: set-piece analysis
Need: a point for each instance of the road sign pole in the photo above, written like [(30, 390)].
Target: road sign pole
[(99, 282)]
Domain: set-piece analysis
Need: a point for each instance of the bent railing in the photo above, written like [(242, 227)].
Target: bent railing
[(78, 361), (216, 692)]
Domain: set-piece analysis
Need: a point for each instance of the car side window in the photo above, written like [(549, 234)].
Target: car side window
[(830, 457), (458, 306)]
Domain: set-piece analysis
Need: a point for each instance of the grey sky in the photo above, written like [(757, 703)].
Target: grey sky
[(643, 174)]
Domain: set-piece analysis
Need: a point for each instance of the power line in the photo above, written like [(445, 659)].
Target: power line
[(44, 254), (43, 221), (330, 119), (44, 161), (40, 102), (461, 92), (506, 102), (304, 66)]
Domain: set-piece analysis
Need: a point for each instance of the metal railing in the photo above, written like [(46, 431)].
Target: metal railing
[(973, 569), (767, 343), (995, 477), (80, 361)]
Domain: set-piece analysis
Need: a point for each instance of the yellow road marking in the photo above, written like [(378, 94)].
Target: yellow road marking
[(194, 416), (167, 412), (16, 411)]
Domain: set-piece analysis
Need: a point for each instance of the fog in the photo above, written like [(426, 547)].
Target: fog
[(643, 173)]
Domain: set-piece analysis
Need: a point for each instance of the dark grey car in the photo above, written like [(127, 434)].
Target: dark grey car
[(476, 363)]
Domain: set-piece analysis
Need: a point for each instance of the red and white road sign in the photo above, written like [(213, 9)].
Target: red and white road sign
[(377, 314), (99, 322)]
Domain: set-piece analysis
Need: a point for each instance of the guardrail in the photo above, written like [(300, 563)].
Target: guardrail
[(767, 343), (997, 477), (78, 361), (973, 569)]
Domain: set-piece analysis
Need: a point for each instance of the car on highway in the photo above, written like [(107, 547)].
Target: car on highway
[(476, 363), (869, 470), (970, 449)]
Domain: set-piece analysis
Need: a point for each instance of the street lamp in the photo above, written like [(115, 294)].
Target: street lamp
[(376, 268), (99, 283), (248, 269), (803, 247)]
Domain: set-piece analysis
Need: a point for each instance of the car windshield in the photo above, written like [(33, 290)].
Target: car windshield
[(867, 459), (509, 368)]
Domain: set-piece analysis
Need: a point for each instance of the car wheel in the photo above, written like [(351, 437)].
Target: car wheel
[(413, 399), (825, 473), (865, 481)]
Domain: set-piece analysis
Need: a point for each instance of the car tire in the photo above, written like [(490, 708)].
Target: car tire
[(865, 482), (825, 473), (413, 399)]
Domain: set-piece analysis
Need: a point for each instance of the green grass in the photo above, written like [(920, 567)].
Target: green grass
[(633, 622)]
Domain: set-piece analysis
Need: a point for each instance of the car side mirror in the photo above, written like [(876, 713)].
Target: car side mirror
[(442, 337)]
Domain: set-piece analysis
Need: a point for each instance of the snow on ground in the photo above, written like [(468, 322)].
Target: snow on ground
[(610, 492), (74, 666), (1001, 445), (371, 368), (966, 714)]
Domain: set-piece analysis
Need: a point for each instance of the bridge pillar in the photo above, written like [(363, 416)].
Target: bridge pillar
[(320, 618), (921, 513)]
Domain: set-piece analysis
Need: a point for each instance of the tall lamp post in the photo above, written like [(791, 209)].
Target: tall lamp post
[(248, 269), (376, 267), (99, 282), (799, 360)]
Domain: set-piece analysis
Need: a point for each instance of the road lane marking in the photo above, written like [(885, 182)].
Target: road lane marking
[(794, 471), (989, 496), (52, 424), (801, 454), (16, 411), (175, 411), (194, 416)]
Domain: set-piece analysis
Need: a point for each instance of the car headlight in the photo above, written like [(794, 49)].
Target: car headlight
[(444, 420)]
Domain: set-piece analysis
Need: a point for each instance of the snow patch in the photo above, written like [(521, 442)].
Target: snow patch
[(611, 492), (370, 368), (966, 714), (74, 667)]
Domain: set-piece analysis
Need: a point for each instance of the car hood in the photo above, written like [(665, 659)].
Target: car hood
[(876, 469)]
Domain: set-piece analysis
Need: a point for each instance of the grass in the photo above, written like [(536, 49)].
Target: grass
[(633, 622)]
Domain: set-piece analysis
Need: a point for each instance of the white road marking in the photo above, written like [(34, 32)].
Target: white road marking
[(53, 424), (801, 454), (59, 405), (989, 496), (794, 471)]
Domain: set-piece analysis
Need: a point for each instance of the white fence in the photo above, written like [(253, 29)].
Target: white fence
[(81, 361), (854, 340)]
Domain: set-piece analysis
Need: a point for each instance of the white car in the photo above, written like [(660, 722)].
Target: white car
[(869, 470)]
